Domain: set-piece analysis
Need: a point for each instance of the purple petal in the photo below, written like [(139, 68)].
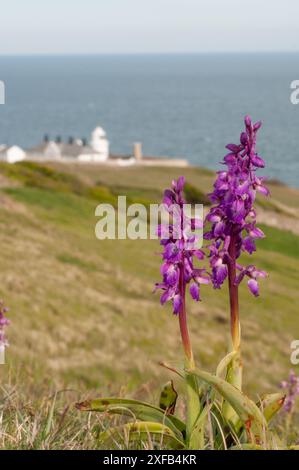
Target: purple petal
[(257, 161), (259, 273), (249, 245), (201, 278), (171, 252), (233, 147), (171, 275), (165, 297), (257, 125), (169, 197), (247, 121), (256, 233), (238, 211), (213, 217), (194, 291), (243, 188), (263, 190), (199, 254), (243, 138), (230, 158), (253, 287), (219, 229), (219, 275), (180, 183), (176, 304), (196, 224), (159, 285)]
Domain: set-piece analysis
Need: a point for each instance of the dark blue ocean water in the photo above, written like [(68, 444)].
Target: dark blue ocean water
[(177, 105)]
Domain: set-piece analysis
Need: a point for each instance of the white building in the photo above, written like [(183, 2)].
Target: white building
[(99, 144), (52, 151), (12, 154), (96, 151)]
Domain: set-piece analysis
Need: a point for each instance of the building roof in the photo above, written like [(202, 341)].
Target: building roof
[(66, 150)]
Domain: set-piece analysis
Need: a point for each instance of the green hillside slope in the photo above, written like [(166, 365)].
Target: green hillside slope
[(82, 310)]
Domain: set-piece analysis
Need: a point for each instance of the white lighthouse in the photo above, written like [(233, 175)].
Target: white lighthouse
[(99, 144)]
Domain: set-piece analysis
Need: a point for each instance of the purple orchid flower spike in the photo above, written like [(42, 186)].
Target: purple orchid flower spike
[(4, 322), (292, 391), (179, 251), (179, 241), (233, 219)]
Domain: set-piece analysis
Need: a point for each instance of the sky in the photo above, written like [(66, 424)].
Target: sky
[(148, 26)]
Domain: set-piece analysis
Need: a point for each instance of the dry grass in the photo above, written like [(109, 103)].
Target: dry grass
[(38, 416)]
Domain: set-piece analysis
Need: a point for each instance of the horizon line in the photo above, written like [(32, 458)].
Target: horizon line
[(93, 54)]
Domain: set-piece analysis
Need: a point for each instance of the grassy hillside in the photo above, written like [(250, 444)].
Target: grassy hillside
[(82, 310)]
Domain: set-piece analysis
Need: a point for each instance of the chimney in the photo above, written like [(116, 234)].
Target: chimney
[(137, 151)]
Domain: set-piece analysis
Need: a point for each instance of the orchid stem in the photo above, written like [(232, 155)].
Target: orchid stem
[(234, 297), (234, 372), (193, 399), (235, 368), (184, 331)]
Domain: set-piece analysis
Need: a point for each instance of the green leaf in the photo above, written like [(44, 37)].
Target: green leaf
[(198, 431), (246, 409), (270, 404), (168, 398), (194, 434), (225, 362), (134, 409), (200, 425), (233, 377), (179, 372), (143, 431)]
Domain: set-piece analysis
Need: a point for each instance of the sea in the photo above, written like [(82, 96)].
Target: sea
[(178, 105)]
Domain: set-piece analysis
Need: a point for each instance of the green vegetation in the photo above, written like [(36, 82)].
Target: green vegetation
[(193, 195), (282, 242), (83, 313)]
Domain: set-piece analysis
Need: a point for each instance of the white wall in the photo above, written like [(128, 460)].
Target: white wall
[(15, 154)]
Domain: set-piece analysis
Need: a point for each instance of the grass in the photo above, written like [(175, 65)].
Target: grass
[(38, 417), (50, 422), (83, 314), (282, 242)]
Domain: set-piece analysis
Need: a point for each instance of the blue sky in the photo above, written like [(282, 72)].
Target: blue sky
[(137, 26)]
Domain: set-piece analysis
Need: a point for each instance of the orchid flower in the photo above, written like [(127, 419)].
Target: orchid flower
[(4, 322), (233, 220), (179, 251)]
